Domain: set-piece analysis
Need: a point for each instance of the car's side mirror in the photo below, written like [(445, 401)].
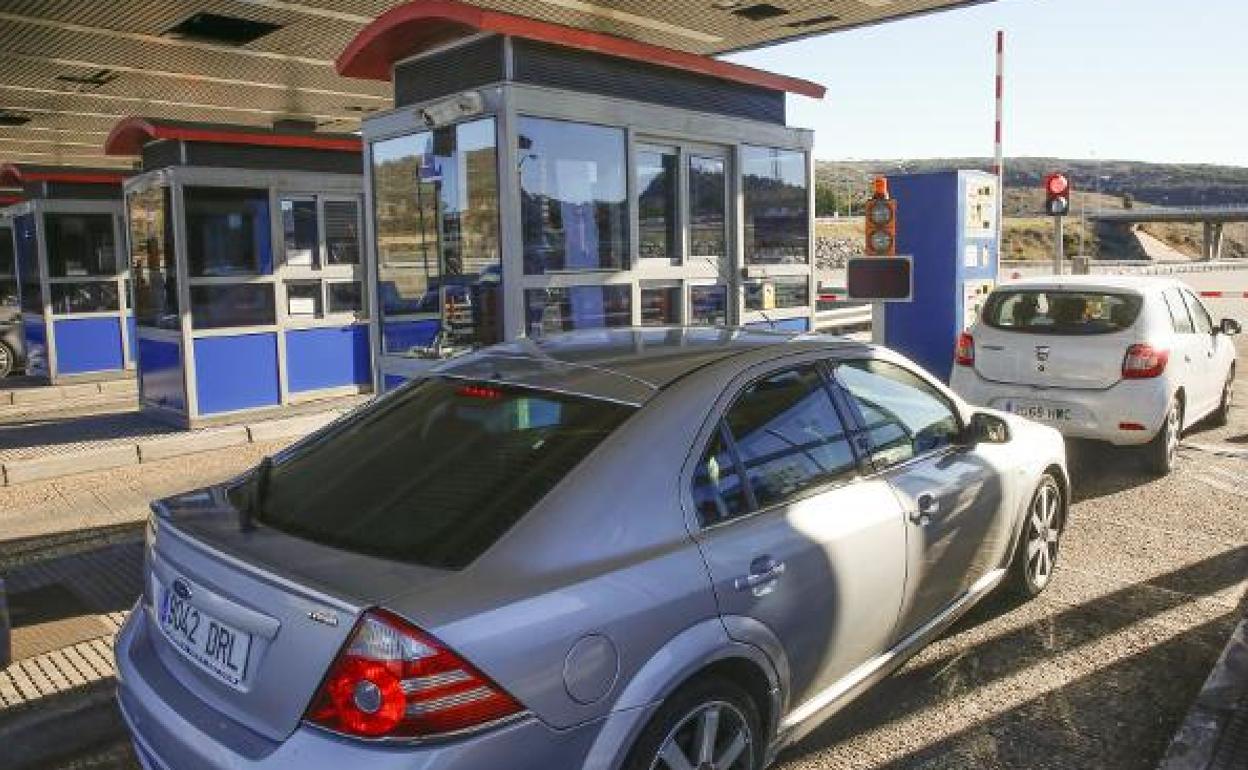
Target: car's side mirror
[(987, 428), (1229, 326)]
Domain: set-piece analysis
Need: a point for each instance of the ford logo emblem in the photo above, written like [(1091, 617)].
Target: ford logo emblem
[(181, 589)]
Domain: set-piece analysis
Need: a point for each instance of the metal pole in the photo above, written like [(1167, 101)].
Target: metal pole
[(1059, 247)]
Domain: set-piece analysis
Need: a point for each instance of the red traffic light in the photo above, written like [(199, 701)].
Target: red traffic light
[(1057, 195)]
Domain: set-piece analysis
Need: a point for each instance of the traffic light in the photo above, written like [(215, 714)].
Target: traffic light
[(1056, 195), (881, 222)]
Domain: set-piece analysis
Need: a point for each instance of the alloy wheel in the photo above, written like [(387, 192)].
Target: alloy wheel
[(6, 360), (1173, 433), (713, 736), (1044, 529)]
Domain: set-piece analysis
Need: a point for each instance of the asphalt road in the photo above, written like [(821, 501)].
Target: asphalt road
[(1097, 672)]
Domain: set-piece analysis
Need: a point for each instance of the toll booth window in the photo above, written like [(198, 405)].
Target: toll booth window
[(84, 297), (8, 275), (218, 306), (792, 292), (708, 205), (708, 305), (80, 245), (26, 247), (553, 310), (657, 173), (345, 297), (777, 206), (439, 269), (660, 305), (300, 233), (342, 232), (155, 289), (303, 299), (573, 196), (227, 231)]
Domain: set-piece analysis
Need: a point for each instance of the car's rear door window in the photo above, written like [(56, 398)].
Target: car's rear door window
[(1062, 312), (1201, 322), (436, 472), (1180, 319)]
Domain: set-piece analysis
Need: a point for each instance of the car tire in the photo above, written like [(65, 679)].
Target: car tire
[(8, 360), (679, 726), (1035, 557), (1161, 454), (1222, 415)]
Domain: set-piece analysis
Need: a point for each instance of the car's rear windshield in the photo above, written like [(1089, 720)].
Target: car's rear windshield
[(1049, 311), (434, 473)]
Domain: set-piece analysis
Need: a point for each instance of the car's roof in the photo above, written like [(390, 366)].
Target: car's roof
[(1136, 283), (627, 364)]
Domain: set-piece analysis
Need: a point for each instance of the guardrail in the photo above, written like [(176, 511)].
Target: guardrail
[(1133, 267), (843, 320)]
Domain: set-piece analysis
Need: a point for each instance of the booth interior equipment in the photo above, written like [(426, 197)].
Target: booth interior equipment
[(77, 323), (246, 246), (534, 179)]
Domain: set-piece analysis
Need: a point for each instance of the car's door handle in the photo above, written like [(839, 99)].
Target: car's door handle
[(763, 571), (926, 505)]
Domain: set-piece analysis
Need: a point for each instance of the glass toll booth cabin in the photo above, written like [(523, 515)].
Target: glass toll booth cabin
[(246, 248), (553, 179), (77, 324)]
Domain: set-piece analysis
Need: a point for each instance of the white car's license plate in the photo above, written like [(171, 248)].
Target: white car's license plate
[(215, 646), (1041, 412)]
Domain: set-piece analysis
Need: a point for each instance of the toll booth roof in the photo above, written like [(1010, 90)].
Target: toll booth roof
[(425, 25), (130, 135), (62, 181)]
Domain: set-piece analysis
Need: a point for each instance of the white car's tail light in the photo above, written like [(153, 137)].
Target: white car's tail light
[(393, 680), (1143, 362), (964, 354)]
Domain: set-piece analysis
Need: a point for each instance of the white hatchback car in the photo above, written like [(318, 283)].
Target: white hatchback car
[(1124, 359)]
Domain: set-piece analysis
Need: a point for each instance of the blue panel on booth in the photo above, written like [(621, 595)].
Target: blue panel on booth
[(402, 336), (36, 337), (782, 325), (327, 358), (87, 345), (392, 381), (160, 374), (234, 373)]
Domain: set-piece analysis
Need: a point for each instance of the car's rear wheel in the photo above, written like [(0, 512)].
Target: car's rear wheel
[(8, 359), (1036, 558), (710, 724), (1222, 415), (1161, 454)]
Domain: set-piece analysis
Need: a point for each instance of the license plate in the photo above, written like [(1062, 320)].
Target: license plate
[(214, 646), (1041, 412)]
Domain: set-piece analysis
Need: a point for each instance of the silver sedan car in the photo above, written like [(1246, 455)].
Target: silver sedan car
[(657, 549)]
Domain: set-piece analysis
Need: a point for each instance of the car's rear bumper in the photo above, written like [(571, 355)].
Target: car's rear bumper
[(1093, 414), (172, 729)]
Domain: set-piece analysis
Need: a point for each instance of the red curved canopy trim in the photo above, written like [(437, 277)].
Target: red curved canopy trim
[(10, 200), (130, 134), (423, 24), (16, 174)]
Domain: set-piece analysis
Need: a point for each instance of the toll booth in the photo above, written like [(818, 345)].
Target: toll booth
[(535, 178), (948, 222), (246, 247), (77, 323)]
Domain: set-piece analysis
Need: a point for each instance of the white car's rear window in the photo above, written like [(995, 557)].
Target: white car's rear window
[(1051, 311)]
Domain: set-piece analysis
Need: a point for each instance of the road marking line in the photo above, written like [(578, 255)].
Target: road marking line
[(1222, 485)]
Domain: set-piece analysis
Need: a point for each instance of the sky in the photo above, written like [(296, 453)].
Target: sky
[(1153, 80)]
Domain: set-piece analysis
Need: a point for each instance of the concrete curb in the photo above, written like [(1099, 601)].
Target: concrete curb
[(161, 448), (59, 726), (45, 394), (1196, 745)]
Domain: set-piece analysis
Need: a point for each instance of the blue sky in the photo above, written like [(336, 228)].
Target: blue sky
[(1154, 80)]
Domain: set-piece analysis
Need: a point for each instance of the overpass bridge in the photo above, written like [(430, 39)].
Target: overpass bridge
[(1214, 219)]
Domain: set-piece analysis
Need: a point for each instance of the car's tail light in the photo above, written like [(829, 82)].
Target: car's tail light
[(393, 680), (964, 354), (1143, 362)]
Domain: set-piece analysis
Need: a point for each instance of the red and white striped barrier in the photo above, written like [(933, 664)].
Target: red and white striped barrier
[(1225, 294)]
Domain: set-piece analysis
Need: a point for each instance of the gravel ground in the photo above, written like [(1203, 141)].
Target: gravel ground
[(1097, 672)]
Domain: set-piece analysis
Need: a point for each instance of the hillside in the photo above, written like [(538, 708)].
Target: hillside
[(1029, 234)]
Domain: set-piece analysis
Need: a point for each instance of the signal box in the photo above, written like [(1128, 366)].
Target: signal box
[(948, 222)]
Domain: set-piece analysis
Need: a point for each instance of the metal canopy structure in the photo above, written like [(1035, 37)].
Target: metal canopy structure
[(70, 69)]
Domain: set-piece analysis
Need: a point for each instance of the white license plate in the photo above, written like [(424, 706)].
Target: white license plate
[(1042, 412), (214, 646)]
